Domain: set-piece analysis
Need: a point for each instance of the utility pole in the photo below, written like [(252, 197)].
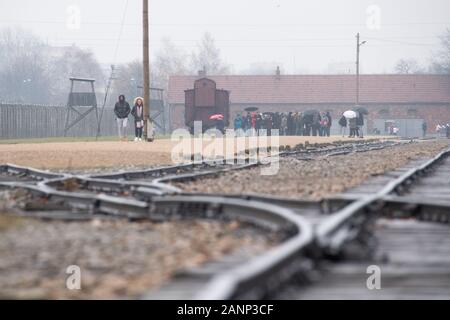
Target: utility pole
[(148, 136), (358, 46)]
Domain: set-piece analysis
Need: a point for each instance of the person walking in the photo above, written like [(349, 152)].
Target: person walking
[(122, 111), (138, 114)]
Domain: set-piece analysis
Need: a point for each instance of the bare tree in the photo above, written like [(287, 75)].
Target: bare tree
[(408, 66), (208, 57), (169, 60), (129, 81), (69, 62), (441, 62), (34, 72), (24, 74)]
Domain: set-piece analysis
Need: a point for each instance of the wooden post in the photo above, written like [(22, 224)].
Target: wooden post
[(357, 68), (146, 60)]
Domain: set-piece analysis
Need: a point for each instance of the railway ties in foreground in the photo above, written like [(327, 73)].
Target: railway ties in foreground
[(340, 223)]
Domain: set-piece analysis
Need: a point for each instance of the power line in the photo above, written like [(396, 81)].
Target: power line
[(229, 24), (401, 42), (121, 31)]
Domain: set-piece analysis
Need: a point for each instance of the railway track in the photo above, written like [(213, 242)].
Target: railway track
[(311, 230), (13, 173)]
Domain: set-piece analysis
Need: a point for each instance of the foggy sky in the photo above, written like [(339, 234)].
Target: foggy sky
[(302, 36)]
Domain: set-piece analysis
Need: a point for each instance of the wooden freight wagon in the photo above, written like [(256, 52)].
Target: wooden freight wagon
[(204, 101)]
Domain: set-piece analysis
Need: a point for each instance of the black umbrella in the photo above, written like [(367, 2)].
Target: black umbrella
[(310, 112), (251, 109), (361, 110)]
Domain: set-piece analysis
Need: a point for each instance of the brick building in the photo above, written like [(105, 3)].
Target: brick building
[(407, 99)]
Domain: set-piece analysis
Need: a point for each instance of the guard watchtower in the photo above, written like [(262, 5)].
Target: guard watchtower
[(83, 98)]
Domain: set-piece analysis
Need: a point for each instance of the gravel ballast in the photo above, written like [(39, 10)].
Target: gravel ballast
[(318, 178), (117, 258)]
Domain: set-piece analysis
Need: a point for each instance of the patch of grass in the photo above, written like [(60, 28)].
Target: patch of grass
[(56, 139)]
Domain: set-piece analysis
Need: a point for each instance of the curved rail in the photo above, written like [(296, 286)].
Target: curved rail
[(345, 223)]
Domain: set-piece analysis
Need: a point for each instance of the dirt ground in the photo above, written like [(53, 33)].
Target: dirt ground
[(84, 155)]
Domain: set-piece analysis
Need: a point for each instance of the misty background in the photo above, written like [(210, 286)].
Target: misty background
[(43, 43)]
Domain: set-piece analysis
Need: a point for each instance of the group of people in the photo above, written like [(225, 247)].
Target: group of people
[(122, 111), (287, 124), (354, 124), (443, 130)]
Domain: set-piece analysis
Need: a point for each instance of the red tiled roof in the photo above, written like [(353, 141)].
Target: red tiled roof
[(323, 88)]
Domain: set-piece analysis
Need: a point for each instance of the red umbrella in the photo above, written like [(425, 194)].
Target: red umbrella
[(216, 117)]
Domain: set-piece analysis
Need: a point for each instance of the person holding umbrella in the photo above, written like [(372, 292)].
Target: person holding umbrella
[(351, 116), (218, 121)]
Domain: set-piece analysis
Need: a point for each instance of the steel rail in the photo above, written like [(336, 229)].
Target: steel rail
[(111, 186), (36, 174), (251, 276), (259, 275), (345, 224)]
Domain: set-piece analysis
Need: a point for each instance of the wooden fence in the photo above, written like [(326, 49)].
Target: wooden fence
[(38, 121)]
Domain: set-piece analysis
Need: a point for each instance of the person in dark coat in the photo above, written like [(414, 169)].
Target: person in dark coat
[(343, 125), (301, 125), (122, 111), (268, 122), (259, 123), (424, 128), (308, 121), (329, 124), (353, 128), (360, 124), (248, 122), (138, 114), (290, 124), (316, 124)]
